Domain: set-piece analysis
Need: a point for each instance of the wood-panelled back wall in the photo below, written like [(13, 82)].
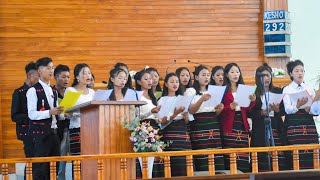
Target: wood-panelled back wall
[(138, 33)]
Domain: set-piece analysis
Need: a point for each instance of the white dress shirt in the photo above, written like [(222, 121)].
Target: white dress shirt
[(75, 119), (202, 108), (32, 101), (289, 106)]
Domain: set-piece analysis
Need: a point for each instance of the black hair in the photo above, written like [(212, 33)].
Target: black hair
[(165, 88), (92, 76), (150, 69), (226, 71), (129, 80), (291, 65), (260, 69), (137, 77), (113, 73), (76, 72), (43, 62), (30, 66), (60, 68), (178, 73), (213, 71), (196, 84)]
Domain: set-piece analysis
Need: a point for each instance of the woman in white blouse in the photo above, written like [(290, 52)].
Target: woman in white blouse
[(204, 124), (173, 125), (144, 83), (82, 77), (300, 124)]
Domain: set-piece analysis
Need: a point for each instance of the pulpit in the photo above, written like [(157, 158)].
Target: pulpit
[(102, 132)]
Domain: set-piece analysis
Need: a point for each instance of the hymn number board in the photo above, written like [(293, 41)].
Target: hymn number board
[(276, 28)]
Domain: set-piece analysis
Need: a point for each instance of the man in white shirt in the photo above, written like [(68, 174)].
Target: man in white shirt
[(43, 112)]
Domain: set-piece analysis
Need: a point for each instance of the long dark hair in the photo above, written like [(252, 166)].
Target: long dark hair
[(213, 71), (129, 80), (196, 84), (137, 78), (178, 73), (113, 74), (150, 69), (165, 88), (76, 72), (226, 71), (260, 69), (291, 65)]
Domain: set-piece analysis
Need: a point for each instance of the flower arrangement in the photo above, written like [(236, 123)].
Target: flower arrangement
[(144, 137), (278, 72)]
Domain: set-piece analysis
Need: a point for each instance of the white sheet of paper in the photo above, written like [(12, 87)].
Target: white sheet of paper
[(139, 94), (273, 99), (166, 105), (183, 101), (131, 95), (243, 93), (217, 93), (102, 95), (295, 96)]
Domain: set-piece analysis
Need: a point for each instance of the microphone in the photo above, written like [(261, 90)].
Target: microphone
[(174, 62), (199, 64), (104, 82)]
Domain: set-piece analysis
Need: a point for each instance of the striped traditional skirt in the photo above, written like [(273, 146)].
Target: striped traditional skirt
[(158, 164), (176, 133), (259, 141), (302, 130), (238, 138), (75, 141), (205, 134)]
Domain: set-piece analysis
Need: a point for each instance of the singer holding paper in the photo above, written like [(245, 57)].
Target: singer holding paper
[(117, 82), (234, 123), (82, 77), (204, 124), (174, 127), (217, 76), (156, 88), (123, 66), (301, 128), (44, 112), (146, 112), (185, 82), (259, 113)]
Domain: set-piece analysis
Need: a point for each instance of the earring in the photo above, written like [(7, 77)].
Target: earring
[(78, 80)]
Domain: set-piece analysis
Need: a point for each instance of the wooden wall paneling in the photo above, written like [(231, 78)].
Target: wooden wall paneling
[(1, 124), (138, 33)]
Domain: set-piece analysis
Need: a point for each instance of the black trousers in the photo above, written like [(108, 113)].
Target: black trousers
[(45, 147), (28, 147)]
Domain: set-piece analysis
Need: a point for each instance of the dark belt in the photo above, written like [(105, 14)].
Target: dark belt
[(54, 130)]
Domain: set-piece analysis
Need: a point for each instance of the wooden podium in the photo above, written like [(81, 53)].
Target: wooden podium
[(102, 132)]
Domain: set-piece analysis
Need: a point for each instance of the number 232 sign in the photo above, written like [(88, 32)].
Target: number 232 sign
[(276, 26)]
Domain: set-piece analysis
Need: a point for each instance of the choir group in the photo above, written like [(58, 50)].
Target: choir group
[(46, 131)]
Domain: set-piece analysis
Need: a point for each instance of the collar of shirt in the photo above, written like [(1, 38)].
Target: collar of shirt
[(44, 84), (294, 85)]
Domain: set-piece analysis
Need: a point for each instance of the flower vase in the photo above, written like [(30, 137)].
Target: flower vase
[(150, 165)]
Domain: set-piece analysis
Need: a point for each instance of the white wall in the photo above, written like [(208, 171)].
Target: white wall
[(305, 37)]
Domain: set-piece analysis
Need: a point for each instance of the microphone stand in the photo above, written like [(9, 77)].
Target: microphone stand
[(174, 62), (267, 121)]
